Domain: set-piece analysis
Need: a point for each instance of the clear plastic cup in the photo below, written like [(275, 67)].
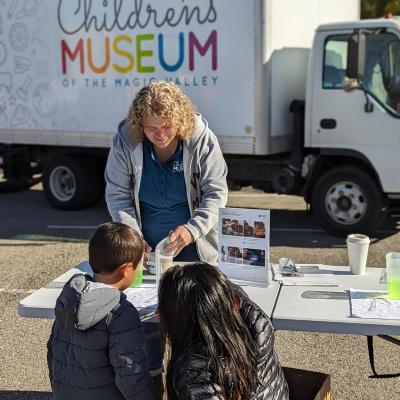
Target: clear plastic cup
[(165, 262), (163, 259), (393, 275)]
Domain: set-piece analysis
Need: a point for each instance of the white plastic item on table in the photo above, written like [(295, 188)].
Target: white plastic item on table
[(357, 247), (161, 253), (151, 262)]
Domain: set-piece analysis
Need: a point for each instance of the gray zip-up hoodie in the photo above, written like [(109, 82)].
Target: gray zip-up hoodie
[(205, 177), (95, 350)]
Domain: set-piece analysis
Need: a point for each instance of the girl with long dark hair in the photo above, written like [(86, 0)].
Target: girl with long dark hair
[(219, 343)]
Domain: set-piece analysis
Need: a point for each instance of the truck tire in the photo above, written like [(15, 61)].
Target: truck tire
[(72, 182), (347, 200)]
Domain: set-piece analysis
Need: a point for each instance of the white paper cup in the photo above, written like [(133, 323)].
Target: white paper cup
[(357, 247)]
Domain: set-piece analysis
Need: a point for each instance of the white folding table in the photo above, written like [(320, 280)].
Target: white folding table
[(328, 309), (42, 302), (295, 308)]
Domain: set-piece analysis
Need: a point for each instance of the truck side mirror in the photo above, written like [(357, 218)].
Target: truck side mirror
[(356, 55)]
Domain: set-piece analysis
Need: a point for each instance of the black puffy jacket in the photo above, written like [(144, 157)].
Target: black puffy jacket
[(95, 351), (194, 378)]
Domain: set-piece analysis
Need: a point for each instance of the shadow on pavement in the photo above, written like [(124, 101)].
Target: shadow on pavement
[(28, 216), (17, 395), (298, 228)]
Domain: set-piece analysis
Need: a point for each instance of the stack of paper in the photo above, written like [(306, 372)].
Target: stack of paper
[(306, 275), (373, 304), (145, 299)]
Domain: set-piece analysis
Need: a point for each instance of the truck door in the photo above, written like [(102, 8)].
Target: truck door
[(342, 121)]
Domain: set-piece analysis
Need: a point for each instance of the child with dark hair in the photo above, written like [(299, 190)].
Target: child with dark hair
[(220, 344), (95, 350)]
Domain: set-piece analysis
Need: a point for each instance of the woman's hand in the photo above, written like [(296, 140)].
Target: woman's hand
[(179, 238), (147, 250)]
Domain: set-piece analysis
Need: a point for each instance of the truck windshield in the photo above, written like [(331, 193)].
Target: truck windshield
[(381, 75)]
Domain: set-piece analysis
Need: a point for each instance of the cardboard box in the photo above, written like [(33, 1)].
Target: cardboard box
[(307, 385)]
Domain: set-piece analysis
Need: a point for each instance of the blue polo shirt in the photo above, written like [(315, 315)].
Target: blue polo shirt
[(163, 199)]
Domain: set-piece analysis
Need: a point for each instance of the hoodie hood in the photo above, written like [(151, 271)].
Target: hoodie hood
[(83, 303), (199, 128)]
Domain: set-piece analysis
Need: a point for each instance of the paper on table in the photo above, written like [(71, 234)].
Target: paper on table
[(307, 275), (373, 304), (145, 299)]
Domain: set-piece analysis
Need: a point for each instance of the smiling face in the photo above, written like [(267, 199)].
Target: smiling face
[(159, 131)]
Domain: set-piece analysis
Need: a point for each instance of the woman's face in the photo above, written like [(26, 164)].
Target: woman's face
[(159, 131)]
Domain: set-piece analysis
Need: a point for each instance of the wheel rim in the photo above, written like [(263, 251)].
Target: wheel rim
[(346, 203), (62, 183)]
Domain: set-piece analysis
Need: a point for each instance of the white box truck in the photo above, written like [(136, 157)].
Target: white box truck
[(268, 75)]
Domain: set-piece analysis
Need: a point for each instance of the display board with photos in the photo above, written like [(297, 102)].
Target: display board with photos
[(243, 245)]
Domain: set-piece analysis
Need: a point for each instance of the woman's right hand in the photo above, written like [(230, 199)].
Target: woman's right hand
[(147, 251)]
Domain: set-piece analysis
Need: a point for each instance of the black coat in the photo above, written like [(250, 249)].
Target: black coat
[(95, 350), (194, 376)]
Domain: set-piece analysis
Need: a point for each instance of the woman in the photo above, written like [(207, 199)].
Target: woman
[(166, 175), (220, 344)]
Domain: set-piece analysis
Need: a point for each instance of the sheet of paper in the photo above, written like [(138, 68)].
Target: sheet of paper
[(373, 304), (243, 245), (306, 275), (145, 299)]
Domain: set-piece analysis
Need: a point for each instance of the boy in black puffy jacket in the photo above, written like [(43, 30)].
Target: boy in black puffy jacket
[(95, 350)]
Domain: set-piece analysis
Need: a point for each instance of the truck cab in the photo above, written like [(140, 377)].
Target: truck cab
[(352, 121)]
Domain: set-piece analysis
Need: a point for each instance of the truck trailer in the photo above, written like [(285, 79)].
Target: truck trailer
[(303, 96)]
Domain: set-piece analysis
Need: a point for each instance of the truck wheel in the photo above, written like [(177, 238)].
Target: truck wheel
[(284, 181), (347, 200), (72, 182)]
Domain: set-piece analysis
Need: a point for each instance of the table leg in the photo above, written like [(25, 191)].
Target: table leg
[(370, 342), (390, 339)]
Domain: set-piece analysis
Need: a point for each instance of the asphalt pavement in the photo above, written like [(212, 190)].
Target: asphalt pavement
[(38, 243)]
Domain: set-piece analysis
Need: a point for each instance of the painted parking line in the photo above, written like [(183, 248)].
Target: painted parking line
[(245, 195), (71, 227), (294, 230), (47, 238), (301, 230), (272, 230), (7, 290)]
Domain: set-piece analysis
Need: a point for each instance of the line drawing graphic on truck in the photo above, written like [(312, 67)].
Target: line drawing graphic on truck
[(303, 96)]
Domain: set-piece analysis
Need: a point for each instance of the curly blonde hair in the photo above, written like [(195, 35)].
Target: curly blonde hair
[(161, 99)]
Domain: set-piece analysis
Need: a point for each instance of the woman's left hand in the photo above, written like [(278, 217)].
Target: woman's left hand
[(179, 238)]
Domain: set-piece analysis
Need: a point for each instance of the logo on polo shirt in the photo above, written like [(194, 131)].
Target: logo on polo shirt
[(177, 166)]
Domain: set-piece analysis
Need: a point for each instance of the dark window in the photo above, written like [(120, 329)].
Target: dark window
[(335, 62), (381, 75)]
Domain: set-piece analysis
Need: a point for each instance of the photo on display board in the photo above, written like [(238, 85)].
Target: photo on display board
[(254, 257), (231, 254), (232, 227), (255, 229)]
